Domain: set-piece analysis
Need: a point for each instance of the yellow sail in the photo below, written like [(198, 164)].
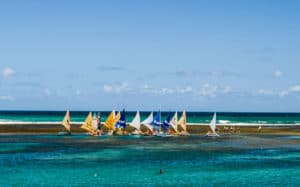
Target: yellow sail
[(88, 124), (66, 121), (110, 121), (182, 121)]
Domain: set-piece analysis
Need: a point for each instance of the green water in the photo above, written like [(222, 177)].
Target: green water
[(192, 117), (48, 160)]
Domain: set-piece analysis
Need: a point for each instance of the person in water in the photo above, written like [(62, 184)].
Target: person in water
[(99, 125)]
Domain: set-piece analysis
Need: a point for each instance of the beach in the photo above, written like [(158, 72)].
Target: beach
[(200, 129)]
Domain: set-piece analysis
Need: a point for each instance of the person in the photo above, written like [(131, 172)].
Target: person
[(259, 128), (161, 171), (208, 133), (99, 125), (225, 129)]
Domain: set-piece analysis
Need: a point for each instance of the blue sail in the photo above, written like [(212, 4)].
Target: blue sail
[(166, 123), (122, 121), (157, 122)]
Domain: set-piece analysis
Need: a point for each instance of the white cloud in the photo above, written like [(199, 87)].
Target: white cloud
[(278, 74), (6, 98), (283, 93), (7, 72), (295, 88), (116, 88), (164, 91), (265, 92), (208, 90), (187, 89), (226, 89)]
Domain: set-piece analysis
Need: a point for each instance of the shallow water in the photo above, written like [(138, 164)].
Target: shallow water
[(49, 160)]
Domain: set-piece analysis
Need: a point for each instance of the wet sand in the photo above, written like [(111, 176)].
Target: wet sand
[(193, 129)]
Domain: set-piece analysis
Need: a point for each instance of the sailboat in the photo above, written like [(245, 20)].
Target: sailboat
[(166, 125), (213, 126), (88, 124), (157, 123), (147, 123), (173, 124), (121, 123), (182, 124), (66, 123), (136, 123), (110, 122)]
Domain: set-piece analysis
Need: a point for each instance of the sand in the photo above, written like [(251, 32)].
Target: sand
[(193, 129)]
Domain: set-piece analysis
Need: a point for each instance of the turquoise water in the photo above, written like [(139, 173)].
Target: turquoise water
[(192, 117), (48, 160)]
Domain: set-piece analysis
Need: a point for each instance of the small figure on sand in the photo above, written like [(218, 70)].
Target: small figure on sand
[(259, 128)]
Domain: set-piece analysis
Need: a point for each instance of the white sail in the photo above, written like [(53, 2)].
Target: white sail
[(147, 122), (213, 124), (95, 125), (174, 121), (136, 122)]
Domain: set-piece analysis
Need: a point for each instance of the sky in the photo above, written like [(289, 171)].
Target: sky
[(219, 55)]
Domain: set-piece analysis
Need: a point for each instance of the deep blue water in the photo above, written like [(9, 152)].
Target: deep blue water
[(235, 160)]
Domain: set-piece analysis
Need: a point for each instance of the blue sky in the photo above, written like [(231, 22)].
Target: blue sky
[(173, 55)]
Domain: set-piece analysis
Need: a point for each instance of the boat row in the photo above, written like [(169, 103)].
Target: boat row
[(116, 124)]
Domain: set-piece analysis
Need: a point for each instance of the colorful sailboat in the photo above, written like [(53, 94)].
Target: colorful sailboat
[(174, 124), (212, 126), (121, 123), (147, 123), (157, 122), (110, 122), (66, 123), (182, 124), (88, 124), (167, 124), (136, 123)]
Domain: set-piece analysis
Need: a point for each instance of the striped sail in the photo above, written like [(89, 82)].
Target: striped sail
[(110, 121), (66, 122), (182, 121), (88, 124), (136, 122), (174, 122)]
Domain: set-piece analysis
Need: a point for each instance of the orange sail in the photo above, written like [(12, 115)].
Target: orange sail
[(66, 122), (110, 121), (88, 124), (182, 121)]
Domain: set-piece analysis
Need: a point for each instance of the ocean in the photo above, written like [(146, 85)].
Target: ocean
[(196, 160), (79, 160), (192, 117)]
